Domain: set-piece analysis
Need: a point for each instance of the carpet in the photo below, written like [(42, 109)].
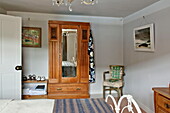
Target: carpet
[(81, 106)]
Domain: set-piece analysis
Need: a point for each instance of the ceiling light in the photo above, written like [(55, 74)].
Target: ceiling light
[(69, 2)]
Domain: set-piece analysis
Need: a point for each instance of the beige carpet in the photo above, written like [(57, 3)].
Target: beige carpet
[(26, 106)]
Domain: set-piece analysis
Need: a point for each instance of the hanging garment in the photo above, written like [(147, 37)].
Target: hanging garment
[(91, 59)]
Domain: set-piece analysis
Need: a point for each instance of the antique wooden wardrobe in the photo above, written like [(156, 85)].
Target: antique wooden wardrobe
[(68, 60)]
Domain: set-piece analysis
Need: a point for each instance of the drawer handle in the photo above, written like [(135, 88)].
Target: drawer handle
[(59, 88), (78, 89), (167, 105)]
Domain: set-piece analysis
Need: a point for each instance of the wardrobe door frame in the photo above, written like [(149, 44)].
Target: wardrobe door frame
[(53, 50), (84, 57), (70, 79)]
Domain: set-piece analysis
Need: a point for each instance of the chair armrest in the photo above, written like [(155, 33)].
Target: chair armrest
[(104, 74)]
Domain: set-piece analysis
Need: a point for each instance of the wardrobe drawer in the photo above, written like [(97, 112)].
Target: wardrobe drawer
[(164, 102), (67, 87)]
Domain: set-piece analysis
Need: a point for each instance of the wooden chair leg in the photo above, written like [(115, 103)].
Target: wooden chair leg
[(104, 92), (118, 92), (121, 90), (110, 91)]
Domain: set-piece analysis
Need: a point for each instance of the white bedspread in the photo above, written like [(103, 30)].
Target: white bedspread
[(26, 106)]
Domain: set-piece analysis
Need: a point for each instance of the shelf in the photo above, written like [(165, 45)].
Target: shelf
[(34, 96), (34, 81)]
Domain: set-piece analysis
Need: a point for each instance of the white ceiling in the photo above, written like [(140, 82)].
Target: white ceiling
[(107, 8)]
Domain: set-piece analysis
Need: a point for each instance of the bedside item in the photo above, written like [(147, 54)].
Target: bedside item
[(114, 81), (162, 99)]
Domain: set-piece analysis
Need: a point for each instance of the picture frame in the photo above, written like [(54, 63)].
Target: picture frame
[(31, 37), (144, 38)]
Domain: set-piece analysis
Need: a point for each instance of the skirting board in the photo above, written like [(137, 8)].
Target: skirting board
[(100, 95), (146, 109), (96, 95)]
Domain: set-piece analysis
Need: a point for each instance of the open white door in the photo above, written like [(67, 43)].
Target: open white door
[(10, 57)]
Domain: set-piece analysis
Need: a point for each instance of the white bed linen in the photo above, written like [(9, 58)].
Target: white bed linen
[(26, 106), (67, 63)]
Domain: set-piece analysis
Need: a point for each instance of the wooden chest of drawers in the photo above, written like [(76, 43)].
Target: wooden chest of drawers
[(60, 91), (162, 100)]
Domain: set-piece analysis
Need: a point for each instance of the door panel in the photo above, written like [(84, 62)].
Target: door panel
[(85, 33), (10, 57)]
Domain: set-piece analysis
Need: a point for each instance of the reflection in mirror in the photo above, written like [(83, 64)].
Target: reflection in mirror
[(69, 52)]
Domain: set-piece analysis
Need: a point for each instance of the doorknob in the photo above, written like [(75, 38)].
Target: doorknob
[(18, 68)]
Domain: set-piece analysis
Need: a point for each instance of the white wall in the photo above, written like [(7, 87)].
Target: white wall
[(2, 11), (145, 70), (108, 39), (35, 60)]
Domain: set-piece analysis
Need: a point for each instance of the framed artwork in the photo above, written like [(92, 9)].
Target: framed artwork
[(144, 38), (31, 37)]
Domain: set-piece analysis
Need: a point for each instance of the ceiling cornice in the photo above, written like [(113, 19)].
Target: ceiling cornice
[(162, 4), (78, 18)]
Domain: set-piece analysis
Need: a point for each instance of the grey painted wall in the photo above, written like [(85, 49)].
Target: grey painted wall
[(108, 39), (35, 60), (145, 70)]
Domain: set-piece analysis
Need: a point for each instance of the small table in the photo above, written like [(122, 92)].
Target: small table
[(81, 106)]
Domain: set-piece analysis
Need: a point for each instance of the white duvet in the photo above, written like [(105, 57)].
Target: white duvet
[(26, 106)]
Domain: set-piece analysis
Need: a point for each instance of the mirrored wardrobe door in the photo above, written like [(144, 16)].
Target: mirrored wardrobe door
[(69, 53)]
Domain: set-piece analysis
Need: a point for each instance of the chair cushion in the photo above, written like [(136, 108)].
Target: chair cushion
[(118, 83), (116, 72)]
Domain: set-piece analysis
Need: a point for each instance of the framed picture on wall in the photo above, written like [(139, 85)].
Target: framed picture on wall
[(144, 38), (31, 37)]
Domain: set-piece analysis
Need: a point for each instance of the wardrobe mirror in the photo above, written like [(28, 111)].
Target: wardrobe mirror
[(69, 52)]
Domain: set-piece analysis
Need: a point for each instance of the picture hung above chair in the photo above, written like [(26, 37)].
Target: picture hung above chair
[(115, 81), (144, 38)]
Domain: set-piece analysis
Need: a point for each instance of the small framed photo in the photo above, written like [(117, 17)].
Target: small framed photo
[(144, 38), (31, 37)]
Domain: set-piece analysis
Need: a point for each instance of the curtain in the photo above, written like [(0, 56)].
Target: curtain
[(91, 59)]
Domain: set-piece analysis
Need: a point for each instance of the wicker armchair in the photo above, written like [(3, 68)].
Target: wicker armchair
[(114, 81)]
